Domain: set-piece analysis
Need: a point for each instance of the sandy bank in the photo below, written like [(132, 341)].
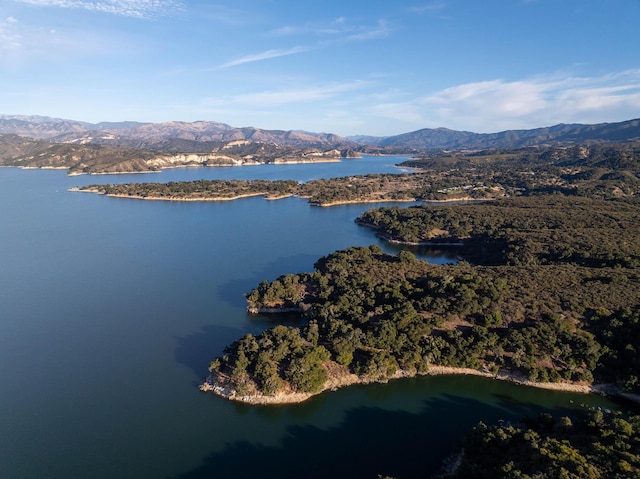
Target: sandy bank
[(221, 387), (165, 198)]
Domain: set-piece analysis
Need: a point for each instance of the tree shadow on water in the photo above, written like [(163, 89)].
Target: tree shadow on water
[(232, 292), (369, 442), (198, 349)]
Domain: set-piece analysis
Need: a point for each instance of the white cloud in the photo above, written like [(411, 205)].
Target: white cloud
[(496, 105), (266, 55), (128, 8)]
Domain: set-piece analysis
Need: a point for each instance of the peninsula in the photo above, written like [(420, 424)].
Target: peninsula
[(548, 299), (325, 192), (609, 171)]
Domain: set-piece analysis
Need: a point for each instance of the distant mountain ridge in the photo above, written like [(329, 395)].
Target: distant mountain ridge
[(151, 135), (557, 135), (199, 136)]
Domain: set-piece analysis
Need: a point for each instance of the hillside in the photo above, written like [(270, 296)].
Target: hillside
[(192, 137), (157, 135), (129, 146), (96, 158), (557, 135)]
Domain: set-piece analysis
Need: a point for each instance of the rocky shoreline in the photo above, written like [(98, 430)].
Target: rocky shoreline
[(221, 386)]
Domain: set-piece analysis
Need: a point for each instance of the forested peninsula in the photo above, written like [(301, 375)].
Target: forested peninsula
[(551, 295), (324, 192), (547, 291)]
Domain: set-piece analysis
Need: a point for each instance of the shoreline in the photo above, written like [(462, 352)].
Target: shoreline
[(174, 166), (392, 240), (76, 189), (355, 202), (220, 387), (189, 165)]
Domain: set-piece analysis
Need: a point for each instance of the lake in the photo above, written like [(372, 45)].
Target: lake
[(111, 310)]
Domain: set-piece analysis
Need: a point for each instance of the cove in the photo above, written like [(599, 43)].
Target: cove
[(111, 309)]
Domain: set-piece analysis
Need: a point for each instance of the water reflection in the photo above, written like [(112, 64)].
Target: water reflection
[(368, 441)]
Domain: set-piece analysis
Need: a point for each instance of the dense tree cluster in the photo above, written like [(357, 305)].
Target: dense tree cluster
[(596, 445), (619, 334), (277, 355), (526, 230), (198, 189), (376, 314)]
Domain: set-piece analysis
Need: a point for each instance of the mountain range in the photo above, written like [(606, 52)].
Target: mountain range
[(160, 136), (199, 136), (115, 147)]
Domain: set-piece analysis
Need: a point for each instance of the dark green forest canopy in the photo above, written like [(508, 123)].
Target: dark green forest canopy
[(596, 445), (546, 229), (551, 289), (374, 314)]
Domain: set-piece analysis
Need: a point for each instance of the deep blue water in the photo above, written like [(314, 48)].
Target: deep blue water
[(111, 309)]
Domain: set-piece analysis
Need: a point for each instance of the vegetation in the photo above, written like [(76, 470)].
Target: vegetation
[(596, 172), (550, 290), (546, 318), (597, 445), (324, 192), (523, 231), (199, 189), (554, 295)]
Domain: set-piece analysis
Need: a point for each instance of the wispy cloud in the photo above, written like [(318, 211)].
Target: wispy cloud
[(379, 31), (25, 45), (431, 7), (19, 42), (326, 34), (10, 38), (495, 105), (337, 29), (128, 8), (266, 55), (301, 95)]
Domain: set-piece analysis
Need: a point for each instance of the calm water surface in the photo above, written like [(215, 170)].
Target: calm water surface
[(111, 309)]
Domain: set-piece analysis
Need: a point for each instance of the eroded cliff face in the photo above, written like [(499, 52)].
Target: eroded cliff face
[(192, 159), (217, 159), (95, 159)]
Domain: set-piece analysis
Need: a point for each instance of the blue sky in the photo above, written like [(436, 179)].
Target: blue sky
[(346, 67)]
